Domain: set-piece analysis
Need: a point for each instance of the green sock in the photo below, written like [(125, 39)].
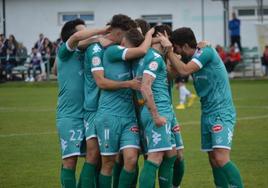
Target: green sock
[(178, 172), (87, 176), (134, 182), (219, 178), (116, 174), (165, 172), (148, 174), (97, 173), (126, 178), (68, 178), (105, 181), (232, 174)]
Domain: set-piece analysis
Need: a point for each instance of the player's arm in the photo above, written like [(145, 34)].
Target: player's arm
[(182, 68), (146, 90), (132, 53), (82, 35), (85, 43), (108, 84)]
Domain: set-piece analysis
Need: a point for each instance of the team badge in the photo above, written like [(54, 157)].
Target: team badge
[(217, 128), (96, 61), (153, 66)]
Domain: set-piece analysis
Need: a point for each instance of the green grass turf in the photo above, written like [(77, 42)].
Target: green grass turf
[(29, 148)]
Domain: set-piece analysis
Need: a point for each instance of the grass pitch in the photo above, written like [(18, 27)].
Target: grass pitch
[(30, 157)]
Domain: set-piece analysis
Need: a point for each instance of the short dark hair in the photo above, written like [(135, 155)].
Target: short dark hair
[(183, 36), (134, 36), (69, 29), (144, 25), (123, 22), (161, 29)]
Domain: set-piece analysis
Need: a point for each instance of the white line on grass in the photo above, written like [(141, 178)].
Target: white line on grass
[(185, 123)]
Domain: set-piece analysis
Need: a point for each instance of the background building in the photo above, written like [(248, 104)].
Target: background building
[(26, 19)]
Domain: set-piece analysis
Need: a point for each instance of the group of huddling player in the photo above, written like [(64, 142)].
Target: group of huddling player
[(115, 92)]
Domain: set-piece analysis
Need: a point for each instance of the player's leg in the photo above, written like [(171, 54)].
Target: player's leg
[(117, 169), (105, 177), (221, 135), (165, 172), (178, 168), (158, 142), (71, 133), (107, 128), (89, 170), (129, 145)]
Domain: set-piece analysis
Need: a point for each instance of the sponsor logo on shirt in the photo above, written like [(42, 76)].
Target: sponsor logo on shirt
[(176, 129), (156, 55), (96, 61), (134, 129), (153, 66), (217, 128)]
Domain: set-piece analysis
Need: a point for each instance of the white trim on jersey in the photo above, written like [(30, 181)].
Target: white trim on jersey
[(221, 147), (68, 47), (206, 150), (129, 146), (92, 136), (70, 155), (111, 153), (159, 149), (96, 69), (197, 62), (180, 147), (124, 54), (150, 73)]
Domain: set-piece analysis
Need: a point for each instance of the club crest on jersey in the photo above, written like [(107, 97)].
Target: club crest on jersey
[(217, 128), (134, 129), (153, 66), (96, 49), (176, 129), (96, 61)]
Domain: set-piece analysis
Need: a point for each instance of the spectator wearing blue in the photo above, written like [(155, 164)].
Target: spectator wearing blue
[(35, 64), (234, 28)]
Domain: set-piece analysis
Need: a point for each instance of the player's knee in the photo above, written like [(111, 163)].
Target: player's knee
[(220, 158), (70, 162), (130, 162), (180, 154), (107, 167), (156, 157)]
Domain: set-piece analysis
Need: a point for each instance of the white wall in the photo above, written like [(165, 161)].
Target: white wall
[(1, 17), (27, 18)]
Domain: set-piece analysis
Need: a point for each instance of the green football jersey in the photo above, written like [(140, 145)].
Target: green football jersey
[(211, 81), (154, 65), (70, 82), (117, 102), (93, 62)]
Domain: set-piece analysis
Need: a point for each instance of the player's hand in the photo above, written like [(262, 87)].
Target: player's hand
[(105, 30), (151, 31), (165, 42), (203, 44), (160, 121), (135, 84)]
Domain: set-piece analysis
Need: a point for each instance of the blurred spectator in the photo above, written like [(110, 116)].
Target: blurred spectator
[(21, 54), (35, 64), (221, 53), (46, 44), (233, 58), (39, 43), (234, 28), (264, 60)]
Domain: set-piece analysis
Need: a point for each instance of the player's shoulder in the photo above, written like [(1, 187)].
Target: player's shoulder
[(203, 51), (153, 55)]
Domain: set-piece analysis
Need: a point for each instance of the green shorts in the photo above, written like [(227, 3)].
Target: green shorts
[(90, 129), (176, 137), (217, 130), (116, 133), (71, 133), (155, 138)]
